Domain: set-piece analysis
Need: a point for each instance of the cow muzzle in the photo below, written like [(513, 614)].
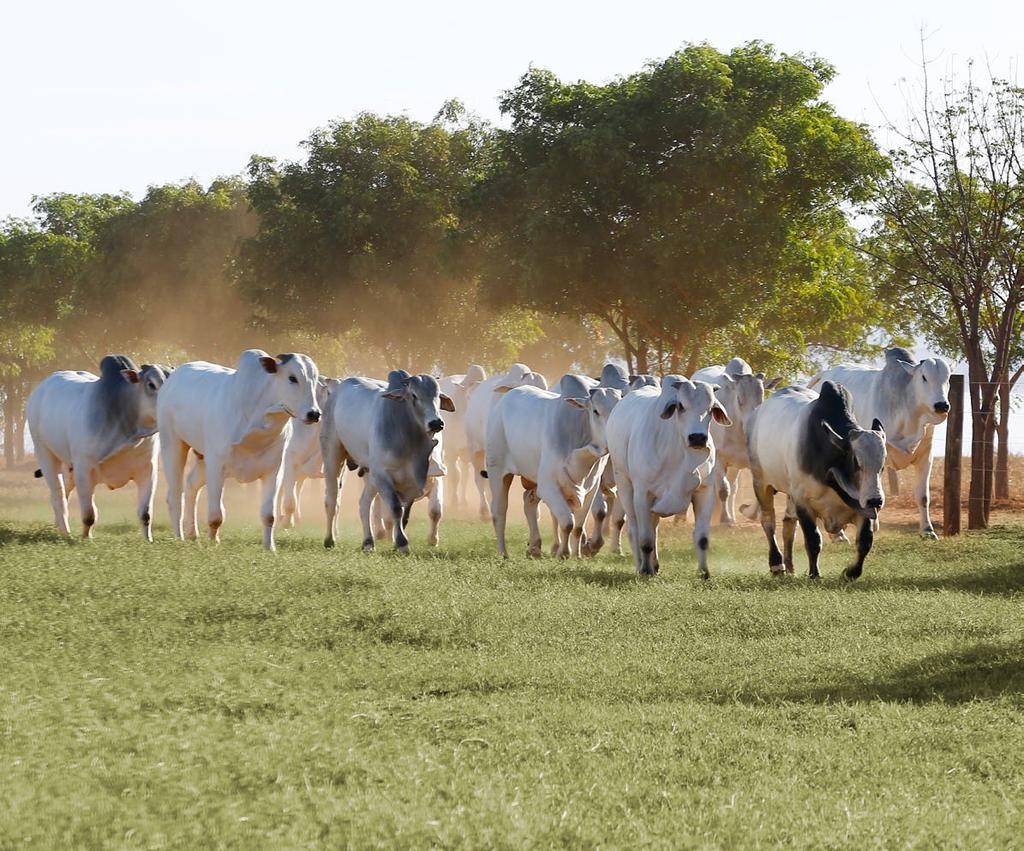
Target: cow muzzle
[(942, 407), (697, 440), (435, 426), (312, 417)]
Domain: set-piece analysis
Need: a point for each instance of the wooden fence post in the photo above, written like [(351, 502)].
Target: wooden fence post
[(954, 457)]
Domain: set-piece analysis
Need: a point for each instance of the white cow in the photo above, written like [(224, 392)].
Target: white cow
[(388, 433), (662, 454), (811, 448), (740, 391), (90, 431), (556, 445), (302, 460), (456, 445), (237, 422), (909, 399), (481, 401)]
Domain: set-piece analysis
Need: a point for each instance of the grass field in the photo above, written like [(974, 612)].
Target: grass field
[(184, 696)]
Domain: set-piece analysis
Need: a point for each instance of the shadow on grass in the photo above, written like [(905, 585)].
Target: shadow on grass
[(10, 535), (982, 672), (1004, 580)]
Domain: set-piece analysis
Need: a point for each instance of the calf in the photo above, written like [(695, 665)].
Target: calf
[(809, 446), (911, 399), (89, 431), (740, 391), (556, 445), (662, 454), (456, 446), (387, 432), (478, 408), (237, 422), (302, 460)]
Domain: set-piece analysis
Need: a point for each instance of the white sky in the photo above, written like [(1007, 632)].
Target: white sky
[(103, 95)]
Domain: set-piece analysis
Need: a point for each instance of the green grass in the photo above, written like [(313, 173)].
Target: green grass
[(185, 696)]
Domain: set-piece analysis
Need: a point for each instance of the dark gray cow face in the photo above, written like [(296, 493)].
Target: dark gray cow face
[(295, 383), (929, 387), (423, 396), (693, 407), (860, 476), (598, 405)]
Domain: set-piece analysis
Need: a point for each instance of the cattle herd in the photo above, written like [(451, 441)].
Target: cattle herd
[(627, 450)]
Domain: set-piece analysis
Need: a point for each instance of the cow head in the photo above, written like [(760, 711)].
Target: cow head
[(518, 375), (475, 375), (323, 389), (598, 405), (294, 383), (693, 406), (858, 473), (929, 387), (741, 394), (148, 380), (643, 380), (423, 396)]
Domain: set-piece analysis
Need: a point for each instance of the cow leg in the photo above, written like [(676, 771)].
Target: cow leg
[(720, 489), (456, 477), (865, 538), (703, 500), (616, 520), (300, 483), (499, 508), (215, 498), (368, 506), (270, 485), (922, 476), (288, 498), (195, 481), (145, 485), (563, 516), (788, 535), (812, 539), (531, 509), (642, 535), (732, 475), (86, 489), (599, 511), (393, 505), (624, 507), (334, 465), (435, 508), (51, 467), (766, 503), (380, 524), (173, 454), (479, 465)]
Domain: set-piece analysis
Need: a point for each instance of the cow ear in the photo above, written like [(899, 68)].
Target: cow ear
[(876, 425), (669, 410), (130, 375), (268, 363), (504, 388), (728, 379), (772, 383), (833, 436), (447, 404), (908, 367), (576, 403), (719, 415), (676, 385), (397, 396)]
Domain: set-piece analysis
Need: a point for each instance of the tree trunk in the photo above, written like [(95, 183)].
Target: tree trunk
[(990, 462), (1002, 483), (641, 356), (9, 417)]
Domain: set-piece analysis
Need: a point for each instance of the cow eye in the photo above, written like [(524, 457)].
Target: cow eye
[(924, 378), (152, 386), (293, 379), (597, 413)]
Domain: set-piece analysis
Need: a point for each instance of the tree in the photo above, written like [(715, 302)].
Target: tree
[(949, 242), (365, 239), (685, 206)]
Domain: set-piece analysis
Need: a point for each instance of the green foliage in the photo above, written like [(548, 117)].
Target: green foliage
[(179, 695), (691, 199)]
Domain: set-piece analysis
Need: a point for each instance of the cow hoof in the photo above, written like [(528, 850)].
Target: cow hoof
[(814, 577), (402, 551), (851, 573), (646, 571), (929, 535), (368, 545), (790, 570), (329, 543), (533, 552)]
